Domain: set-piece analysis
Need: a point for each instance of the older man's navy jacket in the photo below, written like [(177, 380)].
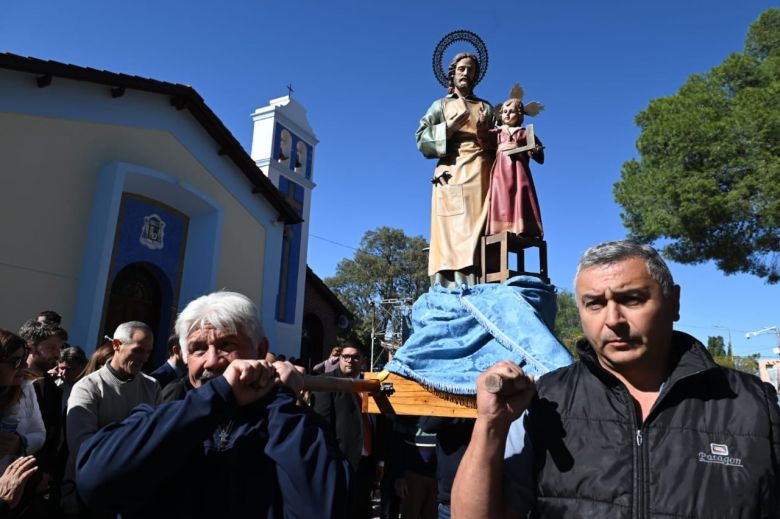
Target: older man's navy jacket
[(206, 457)]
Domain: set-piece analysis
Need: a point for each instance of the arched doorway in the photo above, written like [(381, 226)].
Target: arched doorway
[(140, 292)]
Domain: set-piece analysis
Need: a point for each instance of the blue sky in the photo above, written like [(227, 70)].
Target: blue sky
[(363, 71)]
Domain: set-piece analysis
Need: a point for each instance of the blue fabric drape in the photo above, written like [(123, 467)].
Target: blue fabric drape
[(459, 333)]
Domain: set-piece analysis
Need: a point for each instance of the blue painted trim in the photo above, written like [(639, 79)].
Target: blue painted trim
[(97, 258), (292, 274), (309, 152), (277, 141), (272, 264), (203, 240), (293, 259), (164, 263)]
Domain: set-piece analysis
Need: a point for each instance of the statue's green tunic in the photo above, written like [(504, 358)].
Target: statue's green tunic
[(458, 205)]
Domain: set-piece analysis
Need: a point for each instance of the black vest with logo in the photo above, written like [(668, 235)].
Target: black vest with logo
[(708, 449)]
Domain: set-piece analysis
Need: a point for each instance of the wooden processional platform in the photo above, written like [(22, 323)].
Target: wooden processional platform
[(399, 395), (387, 393)]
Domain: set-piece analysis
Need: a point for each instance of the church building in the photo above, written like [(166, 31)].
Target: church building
[(125, 198)]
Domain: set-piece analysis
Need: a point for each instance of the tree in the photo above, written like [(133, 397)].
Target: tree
[(722, 356), (387, 265), (567, 321), (708, 180), (747, 363), (716, 346)]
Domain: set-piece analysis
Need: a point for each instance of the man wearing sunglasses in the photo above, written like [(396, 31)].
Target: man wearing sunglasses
[(354, 430)]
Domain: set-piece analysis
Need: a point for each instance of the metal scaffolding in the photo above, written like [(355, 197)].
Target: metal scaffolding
[(390, 326)]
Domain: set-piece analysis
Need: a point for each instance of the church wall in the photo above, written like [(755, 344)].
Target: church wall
[(238, 252), (52, 163)]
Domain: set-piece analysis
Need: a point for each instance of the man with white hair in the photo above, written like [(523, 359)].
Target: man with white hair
[(237, 445), (110, 393)]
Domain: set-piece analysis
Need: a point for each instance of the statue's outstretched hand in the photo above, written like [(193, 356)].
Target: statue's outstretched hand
[(484, 118), (456, 121)]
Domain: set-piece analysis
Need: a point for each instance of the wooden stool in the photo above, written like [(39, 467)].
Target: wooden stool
[(495, 250)]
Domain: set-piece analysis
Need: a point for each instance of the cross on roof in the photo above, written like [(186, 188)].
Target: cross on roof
[(290, 90)]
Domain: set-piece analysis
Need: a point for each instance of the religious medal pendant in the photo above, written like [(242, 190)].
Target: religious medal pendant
[(223, 436)]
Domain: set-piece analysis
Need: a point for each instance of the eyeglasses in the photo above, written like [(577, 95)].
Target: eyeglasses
[(14, 363), (353, 358)]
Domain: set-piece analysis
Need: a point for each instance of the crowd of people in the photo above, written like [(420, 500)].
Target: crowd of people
[(57, 402), (644, 423)]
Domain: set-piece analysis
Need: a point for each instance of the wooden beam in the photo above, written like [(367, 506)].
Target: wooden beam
[(178, 102), (399, 395), (43, 81), (342, 384), (387, 393)]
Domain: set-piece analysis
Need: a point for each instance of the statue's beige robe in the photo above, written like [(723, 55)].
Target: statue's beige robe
[(458, 206)]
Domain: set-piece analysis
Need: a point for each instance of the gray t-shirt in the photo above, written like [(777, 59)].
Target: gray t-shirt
[(99, 399), (518, 469)]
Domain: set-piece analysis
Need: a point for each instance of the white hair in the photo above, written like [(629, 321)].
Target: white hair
[(228, 312), (124, 332)]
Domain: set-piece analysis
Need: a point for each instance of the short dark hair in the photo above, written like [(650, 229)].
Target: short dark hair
[(73, 355), (51, 316), (354, 347), (611, 252), (35, 331), (173, 342)]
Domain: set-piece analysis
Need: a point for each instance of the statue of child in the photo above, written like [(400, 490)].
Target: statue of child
[(513, 203)]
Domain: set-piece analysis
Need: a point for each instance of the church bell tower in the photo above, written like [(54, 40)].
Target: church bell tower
[(283, 145)]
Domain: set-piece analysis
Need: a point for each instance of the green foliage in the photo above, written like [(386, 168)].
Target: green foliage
[(708, 180), (388, 265), (763, 38), (748, 364), (716, 346), (722, 356), (567, 321)]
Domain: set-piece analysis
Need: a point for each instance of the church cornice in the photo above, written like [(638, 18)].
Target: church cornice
[(290, 114)]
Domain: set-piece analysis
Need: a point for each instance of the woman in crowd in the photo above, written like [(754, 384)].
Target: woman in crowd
[(330, 364), (21, 427), (102, 354)]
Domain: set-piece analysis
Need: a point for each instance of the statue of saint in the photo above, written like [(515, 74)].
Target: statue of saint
[(514, 206), (448, 132)]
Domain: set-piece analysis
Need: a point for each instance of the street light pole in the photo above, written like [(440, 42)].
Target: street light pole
[(727, 329), (768, 329)]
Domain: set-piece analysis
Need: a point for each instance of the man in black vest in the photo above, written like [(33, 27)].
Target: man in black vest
[(645, 424)]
